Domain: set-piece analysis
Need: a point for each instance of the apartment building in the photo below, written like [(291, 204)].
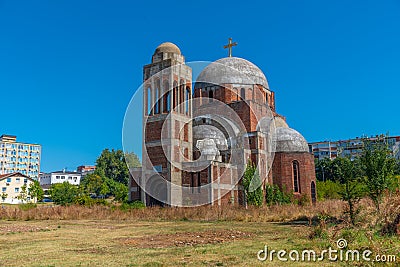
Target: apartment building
[(19, 157), (48, 179), (11, 186), (351, 147)]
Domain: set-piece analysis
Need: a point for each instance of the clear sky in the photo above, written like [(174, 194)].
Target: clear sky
[(69, 68)]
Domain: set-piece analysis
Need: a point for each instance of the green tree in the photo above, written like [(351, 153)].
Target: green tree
[(324, 169), (378, 166), (111, 164), (64, 193), (3, 196), (252, 185), (120, 192), (132, 160), (23, 194), (397, 168), (328, 190), (348, 173), (93, 184), (36, 191)]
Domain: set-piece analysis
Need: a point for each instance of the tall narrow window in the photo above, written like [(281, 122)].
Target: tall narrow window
[(149, 101), (167, 97), (243, 94), (296, 177), (187, 100), (192, 182), (198, 183), (175, 95), (168, 102), (157, 100), (211, 95)]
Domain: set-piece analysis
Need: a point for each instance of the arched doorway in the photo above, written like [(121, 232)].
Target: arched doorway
[(156, 191), (313, 193)]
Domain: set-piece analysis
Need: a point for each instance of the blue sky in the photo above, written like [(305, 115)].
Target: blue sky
[(69, 68)]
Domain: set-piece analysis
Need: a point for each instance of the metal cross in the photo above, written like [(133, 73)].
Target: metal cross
[(229, 46)]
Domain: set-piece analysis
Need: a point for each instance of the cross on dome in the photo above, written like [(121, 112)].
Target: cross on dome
[(229, 46)]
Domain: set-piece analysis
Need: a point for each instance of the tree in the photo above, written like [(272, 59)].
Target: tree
[(23, 195), (252, 185), (120, 192), (93, 184), (350, 191), (3, 196), (397, 169), (324, 169), (36, 191), (378, 168), (63, 193), (132, 160), (111, 164)]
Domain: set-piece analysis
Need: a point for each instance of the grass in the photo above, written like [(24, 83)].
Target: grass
[(203, 236), (103, 243)]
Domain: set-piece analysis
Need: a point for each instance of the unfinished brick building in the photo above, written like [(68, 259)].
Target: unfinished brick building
[(198, 139)]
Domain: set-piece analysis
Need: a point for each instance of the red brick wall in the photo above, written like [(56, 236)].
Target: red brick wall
[(282, 171)]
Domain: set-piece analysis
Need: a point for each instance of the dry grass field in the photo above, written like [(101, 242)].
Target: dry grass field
[(101, 236)]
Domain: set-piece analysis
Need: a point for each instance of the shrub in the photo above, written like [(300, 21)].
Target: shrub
[(63, 194), (27, 206), (84, 200), (132, 205), (275, 196), (328, 190)]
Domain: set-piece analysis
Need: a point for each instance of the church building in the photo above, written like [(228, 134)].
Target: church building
[(199, 137)]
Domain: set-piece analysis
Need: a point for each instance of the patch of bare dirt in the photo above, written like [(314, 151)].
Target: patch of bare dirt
[(12, 229), (185, 239)]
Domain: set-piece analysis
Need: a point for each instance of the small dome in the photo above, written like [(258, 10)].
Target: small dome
[(290, 140), (167, 48), (279, 122), (232, 70)]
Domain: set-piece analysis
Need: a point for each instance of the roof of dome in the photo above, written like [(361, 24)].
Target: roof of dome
[(279, 122), (232, 70), (167, 48), (290, 140)]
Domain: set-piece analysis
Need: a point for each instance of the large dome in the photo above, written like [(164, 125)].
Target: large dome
[(232, 70), (167, 48), (290, 140)]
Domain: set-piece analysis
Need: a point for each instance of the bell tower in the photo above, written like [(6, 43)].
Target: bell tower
[(167, 127)]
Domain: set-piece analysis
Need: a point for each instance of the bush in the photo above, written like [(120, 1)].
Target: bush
[(275, 196), (63, 194), (27, 206), (84, 200), (328, 190), (132, 205)]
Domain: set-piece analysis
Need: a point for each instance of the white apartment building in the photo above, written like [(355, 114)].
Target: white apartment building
[(47, 179), (11, 188), (19, 157)]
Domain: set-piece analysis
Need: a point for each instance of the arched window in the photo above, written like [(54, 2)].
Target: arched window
[(313, 193), (167, 102), (242, 94), (149, 101), (296, 177), (211, 95), (167, 97)]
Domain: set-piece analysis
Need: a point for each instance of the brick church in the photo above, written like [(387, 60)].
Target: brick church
[(198, 137)]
